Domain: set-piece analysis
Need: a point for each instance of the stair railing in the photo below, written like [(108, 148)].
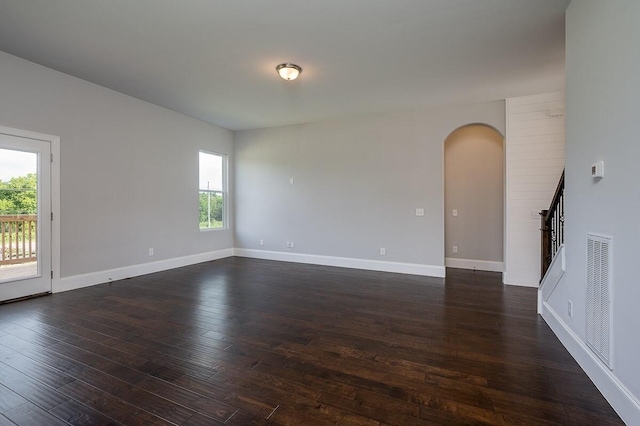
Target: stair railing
[(552, 228)]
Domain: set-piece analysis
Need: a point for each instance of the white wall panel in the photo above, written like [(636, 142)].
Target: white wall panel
[(534, 163)]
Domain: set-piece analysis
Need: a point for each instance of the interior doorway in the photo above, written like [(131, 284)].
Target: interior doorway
[(474, 198), (26, 255)]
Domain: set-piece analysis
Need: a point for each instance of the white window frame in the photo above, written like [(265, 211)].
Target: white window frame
[(224, 191)]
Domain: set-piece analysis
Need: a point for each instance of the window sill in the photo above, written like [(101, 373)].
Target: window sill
[(213, 229)]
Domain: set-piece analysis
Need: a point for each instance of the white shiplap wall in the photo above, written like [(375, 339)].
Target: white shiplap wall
[(534, 157)]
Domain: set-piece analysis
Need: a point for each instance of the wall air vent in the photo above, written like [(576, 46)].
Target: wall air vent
[(599, 307)]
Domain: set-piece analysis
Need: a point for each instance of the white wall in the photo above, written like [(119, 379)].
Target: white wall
[(534, 163), (357, 183), (129, 169), (474, 187), (603, 90)]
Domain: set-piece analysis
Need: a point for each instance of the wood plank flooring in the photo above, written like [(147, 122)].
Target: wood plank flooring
[(252, 342)]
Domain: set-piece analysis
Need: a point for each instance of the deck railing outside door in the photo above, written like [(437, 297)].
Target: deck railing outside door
[(18, 234)]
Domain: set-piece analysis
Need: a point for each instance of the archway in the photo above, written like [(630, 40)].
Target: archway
[(474, 198)]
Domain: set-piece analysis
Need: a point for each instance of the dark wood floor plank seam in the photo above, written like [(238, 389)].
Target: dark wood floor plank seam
[(80, 378), (64, 356), (83, 402), (128, 336), (154, 349), (219, 357), (83, 379)]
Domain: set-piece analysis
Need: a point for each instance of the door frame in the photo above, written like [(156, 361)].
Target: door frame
[(54, 142), (504, 193)]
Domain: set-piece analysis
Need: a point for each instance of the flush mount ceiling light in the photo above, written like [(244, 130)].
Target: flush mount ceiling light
[(289, 71)]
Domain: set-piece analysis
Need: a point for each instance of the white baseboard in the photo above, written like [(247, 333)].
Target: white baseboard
[(615, 392), (345, 262), (85, 280), (93, 278), (480, 265)]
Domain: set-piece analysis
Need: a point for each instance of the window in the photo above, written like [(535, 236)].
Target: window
[(213, 186)]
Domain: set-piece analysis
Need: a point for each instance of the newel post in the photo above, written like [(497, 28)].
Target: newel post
[(545, 243)]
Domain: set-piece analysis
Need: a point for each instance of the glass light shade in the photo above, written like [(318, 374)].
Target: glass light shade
[(289, 71)]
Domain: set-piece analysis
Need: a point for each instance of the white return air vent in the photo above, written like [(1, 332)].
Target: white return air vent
[(599, 307)]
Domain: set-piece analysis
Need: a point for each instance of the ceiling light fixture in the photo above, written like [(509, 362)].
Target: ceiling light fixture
[(289, 71)]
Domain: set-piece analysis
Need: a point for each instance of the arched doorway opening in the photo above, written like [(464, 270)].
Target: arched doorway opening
[(474, 198)]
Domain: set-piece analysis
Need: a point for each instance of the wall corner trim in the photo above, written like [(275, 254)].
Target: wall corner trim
[(93, 278), (345, 262), (623, 401)]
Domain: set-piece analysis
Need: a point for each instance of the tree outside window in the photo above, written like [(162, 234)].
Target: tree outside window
[(212, 186)]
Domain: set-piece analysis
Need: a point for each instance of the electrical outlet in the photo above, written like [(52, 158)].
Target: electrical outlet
[(419, 212), (290, 181), (455, 249), (261, 242), (383, 251), (455, 212), (293, 244), (290, 244), (570, 308), (151, 252)]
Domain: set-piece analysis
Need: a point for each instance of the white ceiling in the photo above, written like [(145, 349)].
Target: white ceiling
[(215, 59)]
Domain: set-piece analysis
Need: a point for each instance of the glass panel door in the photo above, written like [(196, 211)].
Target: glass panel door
[(25, 223)]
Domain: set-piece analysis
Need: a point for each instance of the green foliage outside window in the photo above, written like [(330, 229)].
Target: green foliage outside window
[(19, 195), (211, 210)]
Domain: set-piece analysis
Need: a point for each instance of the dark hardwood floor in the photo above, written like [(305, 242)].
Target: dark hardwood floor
[(251, 342)]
